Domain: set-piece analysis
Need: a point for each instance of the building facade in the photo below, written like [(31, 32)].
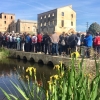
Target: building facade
[(5, 20), (60, 20), (12, 26), (21, 26)]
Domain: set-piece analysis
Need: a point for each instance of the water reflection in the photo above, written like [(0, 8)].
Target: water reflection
[(8, 72)]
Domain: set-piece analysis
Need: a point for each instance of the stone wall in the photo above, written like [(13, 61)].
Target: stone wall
[(87, 63)]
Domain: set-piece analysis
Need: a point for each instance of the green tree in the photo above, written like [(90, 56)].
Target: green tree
[(94, 27)]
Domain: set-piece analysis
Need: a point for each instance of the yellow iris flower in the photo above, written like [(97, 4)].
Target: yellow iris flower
[(27, 77), (56, 67), (30, 70), (55, 76), (75, 54), (49, 82)]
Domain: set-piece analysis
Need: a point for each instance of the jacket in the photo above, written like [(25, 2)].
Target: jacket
[(88, 40)]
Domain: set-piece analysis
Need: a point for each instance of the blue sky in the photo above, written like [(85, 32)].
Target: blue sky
[(87, 10)]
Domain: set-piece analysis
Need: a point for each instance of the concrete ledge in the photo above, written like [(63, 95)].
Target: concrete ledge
[(88, 63)]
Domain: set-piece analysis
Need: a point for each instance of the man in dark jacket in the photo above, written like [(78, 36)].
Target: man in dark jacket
[(47, 42), (72, 42)]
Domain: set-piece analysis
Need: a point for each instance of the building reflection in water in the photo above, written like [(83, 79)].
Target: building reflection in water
[(9, 68)]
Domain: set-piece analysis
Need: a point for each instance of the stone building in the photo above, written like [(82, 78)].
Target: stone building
[(21, 26), (12, 26), (5, 20), (60, 20)]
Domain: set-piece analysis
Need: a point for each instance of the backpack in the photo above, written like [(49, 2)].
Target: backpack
[(8, 39), (39, 37), (97, 41), (79, 41), (63, 42), (33, 40)]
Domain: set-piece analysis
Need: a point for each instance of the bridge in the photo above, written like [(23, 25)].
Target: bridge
[(48, 59)]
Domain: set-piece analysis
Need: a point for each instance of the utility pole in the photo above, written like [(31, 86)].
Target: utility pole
[(87, 25)]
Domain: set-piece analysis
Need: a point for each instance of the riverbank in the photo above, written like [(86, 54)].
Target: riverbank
[(4, 53)]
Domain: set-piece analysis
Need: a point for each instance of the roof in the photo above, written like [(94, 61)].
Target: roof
[(28, 21), (7, 13), (70, 6), (47, 11)]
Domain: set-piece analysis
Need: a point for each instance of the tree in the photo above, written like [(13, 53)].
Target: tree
[(94, 27)]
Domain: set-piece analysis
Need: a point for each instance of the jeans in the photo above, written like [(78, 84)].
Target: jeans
[(54, 48), (39, 47), (34, 47), (46, 48), (22, 46), (88, 52), (97, 49), (18, 46)]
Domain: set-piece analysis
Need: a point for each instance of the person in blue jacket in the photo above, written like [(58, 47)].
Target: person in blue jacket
[(88, 43)]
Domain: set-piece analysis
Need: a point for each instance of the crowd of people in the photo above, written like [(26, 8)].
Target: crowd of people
[(52, 44)]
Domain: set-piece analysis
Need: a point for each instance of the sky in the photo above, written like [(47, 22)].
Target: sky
[(87, 11)]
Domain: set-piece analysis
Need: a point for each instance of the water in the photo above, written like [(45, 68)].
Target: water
[(8, 72)]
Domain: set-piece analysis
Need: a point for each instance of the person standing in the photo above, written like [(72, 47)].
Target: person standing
[(62, 44), (1, 39), (28, 42), (18, 42), (22, 42), (11, 41), (96, 43), (39, 40), (54, 40), (47, 42), (72, 42), (88, 43), (34, 43)]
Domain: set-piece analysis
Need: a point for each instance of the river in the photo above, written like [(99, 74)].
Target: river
[(8, 68)]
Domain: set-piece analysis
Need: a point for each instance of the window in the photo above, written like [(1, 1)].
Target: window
[(71, 15), (0, 16), (53, 14), (49, 23), (53, 22), (45, 16), (62, 13), (28, 28), (41, 24), (11, 17), (45, 24), (71, 23), (4, 22), (49, 15), (5, 17), (62, 23), (41, 17)]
